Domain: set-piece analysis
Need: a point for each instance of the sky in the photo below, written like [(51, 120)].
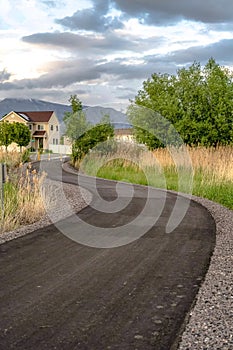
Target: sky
[(103, 50)]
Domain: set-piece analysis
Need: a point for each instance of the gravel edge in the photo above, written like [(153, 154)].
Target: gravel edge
[(209, 324)]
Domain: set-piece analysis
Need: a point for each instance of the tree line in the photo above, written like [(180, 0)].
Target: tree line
[(196, 103)]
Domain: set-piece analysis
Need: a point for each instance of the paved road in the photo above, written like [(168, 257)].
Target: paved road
[(56, 293)]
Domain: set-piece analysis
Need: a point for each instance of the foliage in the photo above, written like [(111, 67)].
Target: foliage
[(76, 104), (91, 138), (21, 135), (212, 168), (6, 134), (197, 102), (26, 156), (14, 132), (75, 121)]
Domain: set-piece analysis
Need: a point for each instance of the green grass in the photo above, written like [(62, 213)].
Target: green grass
[(204, 184)]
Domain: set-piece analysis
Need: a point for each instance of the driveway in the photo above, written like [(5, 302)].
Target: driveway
[(102, 278)]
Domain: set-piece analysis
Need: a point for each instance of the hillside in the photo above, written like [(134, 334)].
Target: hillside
[(94, 114)]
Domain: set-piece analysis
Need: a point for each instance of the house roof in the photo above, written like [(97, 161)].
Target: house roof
[(123, 131), (39, 133), (37, 117)]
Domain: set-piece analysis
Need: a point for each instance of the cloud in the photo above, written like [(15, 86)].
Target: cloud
[(166, 11), (62, 74), (95, 18), (4, 75), (49, 3), (110, 42), (220, 51)]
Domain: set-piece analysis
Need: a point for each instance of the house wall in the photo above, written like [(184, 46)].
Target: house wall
[(125, 135), (53, 131), (12, 117)]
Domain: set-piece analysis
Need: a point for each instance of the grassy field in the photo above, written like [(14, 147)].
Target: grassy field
[(23, 202), (204, 172)]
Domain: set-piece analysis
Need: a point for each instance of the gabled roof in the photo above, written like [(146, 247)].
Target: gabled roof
[(24, 117), (36, 117)]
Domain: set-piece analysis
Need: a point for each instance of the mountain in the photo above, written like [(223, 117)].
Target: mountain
[(27, 105), (94, 114)]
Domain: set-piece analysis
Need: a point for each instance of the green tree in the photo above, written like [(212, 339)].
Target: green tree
[(76, 103), (91, 138), (21, 135), (75, 122), (6, 134), (197, 101), (219, 104)]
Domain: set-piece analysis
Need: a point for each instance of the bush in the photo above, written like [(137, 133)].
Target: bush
[(26, 156)]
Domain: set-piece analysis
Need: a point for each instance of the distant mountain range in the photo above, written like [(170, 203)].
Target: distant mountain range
[(94, 114)]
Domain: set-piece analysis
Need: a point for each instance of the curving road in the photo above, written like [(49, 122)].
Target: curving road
[(92, 292)]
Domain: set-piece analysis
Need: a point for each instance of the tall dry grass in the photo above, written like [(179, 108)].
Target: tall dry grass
[(12, 159), (214, 163), (23, 200), (212, 169)]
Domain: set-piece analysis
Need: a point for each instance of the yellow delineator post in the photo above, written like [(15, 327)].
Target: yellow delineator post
[(38, 155), (49, 157)]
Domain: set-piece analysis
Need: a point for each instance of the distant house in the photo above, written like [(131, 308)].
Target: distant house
[(124, 134), (44, 127)]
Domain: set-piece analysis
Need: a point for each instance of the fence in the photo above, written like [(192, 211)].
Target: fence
[(60, 149)]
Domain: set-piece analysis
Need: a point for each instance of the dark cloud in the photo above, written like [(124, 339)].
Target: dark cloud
[(6, 86), (4, 75), (77, 42), (63, 74), (92, 19), (167, 11), (60, 75), (221, 51)]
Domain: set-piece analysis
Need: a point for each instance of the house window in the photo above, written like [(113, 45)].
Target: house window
[(53, 141), (40, 127), (30, 126), (51, 127), (56, 127), (56, 141)]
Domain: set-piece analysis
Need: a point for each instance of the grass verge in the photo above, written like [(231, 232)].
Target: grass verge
[(23, 201), (212, 169)]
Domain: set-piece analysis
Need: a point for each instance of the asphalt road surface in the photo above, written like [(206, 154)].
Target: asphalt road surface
[(62, 293)]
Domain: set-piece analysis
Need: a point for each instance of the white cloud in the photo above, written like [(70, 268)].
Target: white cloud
[(109, 57)]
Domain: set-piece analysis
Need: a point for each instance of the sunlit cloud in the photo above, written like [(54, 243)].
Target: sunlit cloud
[(105, 50)]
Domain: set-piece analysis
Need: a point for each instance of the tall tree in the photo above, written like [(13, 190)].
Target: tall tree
[(75, 121), (98, 134), (197, 101), (76, 103), (21, 134), (6, 134)]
